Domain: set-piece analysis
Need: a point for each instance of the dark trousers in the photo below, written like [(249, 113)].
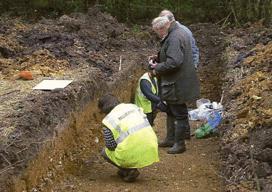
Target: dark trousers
[(178, 111), (151, 117)]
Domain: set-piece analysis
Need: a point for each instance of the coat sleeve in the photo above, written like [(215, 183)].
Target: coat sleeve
[(146, 89), (174, 58), (195, 52)]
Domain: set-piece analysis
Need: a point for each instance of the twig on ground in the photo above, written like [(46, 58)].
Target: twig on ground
[(9, 167), (222, 97), (5, 158), (225, 21)]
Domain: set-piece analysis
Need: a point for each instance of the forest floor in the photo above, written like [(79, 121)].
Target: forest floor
[(236, 61)]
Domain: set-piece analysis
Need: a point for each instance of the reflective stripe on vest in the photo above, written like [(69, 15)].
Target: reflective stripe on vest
[(132, 130), (137, 144), (113, 124), (122, 134)]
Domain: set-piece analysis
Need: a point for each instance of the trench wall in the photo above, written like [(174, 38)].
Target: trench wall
[(72, 136)]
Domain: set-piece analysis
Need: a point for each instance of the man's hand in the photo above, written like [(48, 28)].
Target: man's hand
[(152, 57), (151, 65), (162, 106)]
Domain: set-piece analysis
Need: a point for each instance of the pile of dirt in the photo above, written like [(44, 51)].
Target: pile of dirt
[(87, 48), (68, 42), (247, 134)]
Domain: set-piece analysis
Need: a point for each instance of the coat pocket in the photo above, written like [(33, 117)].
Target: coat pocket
[(168, 91)]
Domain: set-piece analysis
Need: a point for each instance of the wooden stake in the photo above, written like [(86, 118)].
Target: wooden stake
[(120, 63)]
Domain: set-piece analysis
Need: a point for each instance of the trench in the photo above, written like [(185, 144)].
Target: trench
[(71, 162)]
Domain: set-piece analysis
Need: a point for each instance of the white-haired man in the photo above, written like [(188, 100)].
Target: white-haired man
[(195, 49), (178, 82)]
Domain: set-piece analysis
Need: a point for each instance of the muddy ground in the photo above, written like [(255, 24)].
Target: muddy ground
[(50, 140)]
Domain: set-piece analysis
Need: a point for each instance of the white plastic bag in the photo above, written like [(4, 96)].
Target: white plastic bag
[(204, 109)]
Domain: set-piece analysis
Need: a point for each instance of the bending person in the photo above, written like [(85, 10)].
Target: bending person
[(130, 140)]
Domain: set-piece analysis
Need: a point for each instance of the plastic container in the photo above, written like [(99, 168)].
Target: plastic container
[(202, 102)]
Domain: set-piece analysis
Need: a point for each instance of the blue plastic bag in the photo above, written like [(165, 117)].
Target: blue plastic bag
[(214, 119)]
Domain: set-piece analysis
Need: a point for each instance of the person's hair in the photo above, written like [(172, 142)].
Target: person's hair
[(159, 22), (168, 14), (107, 103)]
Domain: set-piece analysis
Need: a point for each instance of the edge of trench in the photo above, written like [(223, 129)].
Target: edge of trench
[(76, 136)]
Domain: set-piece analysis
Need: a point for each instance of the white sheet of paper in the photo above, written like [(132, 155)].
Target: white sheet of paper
[(52, 84)]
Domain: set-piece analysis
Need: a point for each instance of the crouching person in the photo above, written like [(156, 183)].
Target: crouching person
[(130, 140)]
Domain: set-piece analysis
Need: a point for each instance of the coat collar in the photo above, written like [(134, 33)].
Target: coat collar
[(172, 27)]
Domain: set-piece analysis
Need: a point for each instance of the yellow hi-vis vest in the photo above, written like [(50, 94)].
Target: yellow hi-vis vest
[(137, 144), (140, 99)]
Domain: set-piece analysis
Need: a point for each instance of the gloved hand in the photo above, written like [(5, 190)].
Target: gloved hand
[(162, 106)]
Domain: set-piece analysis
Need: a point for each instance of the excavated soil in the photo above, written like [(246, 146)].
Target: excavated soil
[(50, 141), (247, 132), (195, 170), (97, 54)]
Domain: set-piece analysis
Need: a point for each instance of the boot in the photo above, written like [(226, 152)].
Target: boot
[(131, 176), (122, 172), (179, 146), (170, 126), (187, 130)]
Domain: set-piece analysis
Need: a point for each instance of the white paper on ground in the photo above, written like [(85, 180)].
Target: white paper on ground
[(52, 84)]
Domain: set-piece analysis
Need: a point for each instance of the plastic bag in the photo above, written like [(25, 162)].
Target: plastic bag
[(202, 101), (214, 119), (204, 108), (203, 131), (208, 128)]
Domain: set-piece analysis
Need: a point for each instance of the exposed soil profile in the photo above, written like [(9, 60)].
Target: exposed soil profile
[(50, 140)]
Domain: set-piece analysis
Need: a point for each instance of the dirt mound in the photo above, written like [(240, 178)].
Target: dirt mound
[(247, 144), (91, 39), (40, 63)]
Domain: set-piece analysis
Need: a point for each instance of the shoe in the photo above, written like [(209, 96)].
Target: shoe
[(131, 176), (177, 148), (166, 143), (122, 173)]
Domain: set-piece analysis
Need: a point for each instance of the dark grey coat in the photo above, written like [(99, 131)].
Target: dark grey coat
[(178, 79)]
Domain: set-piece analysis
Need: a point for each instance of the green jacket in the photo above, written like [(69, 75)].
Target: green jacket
[(178, 81)]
